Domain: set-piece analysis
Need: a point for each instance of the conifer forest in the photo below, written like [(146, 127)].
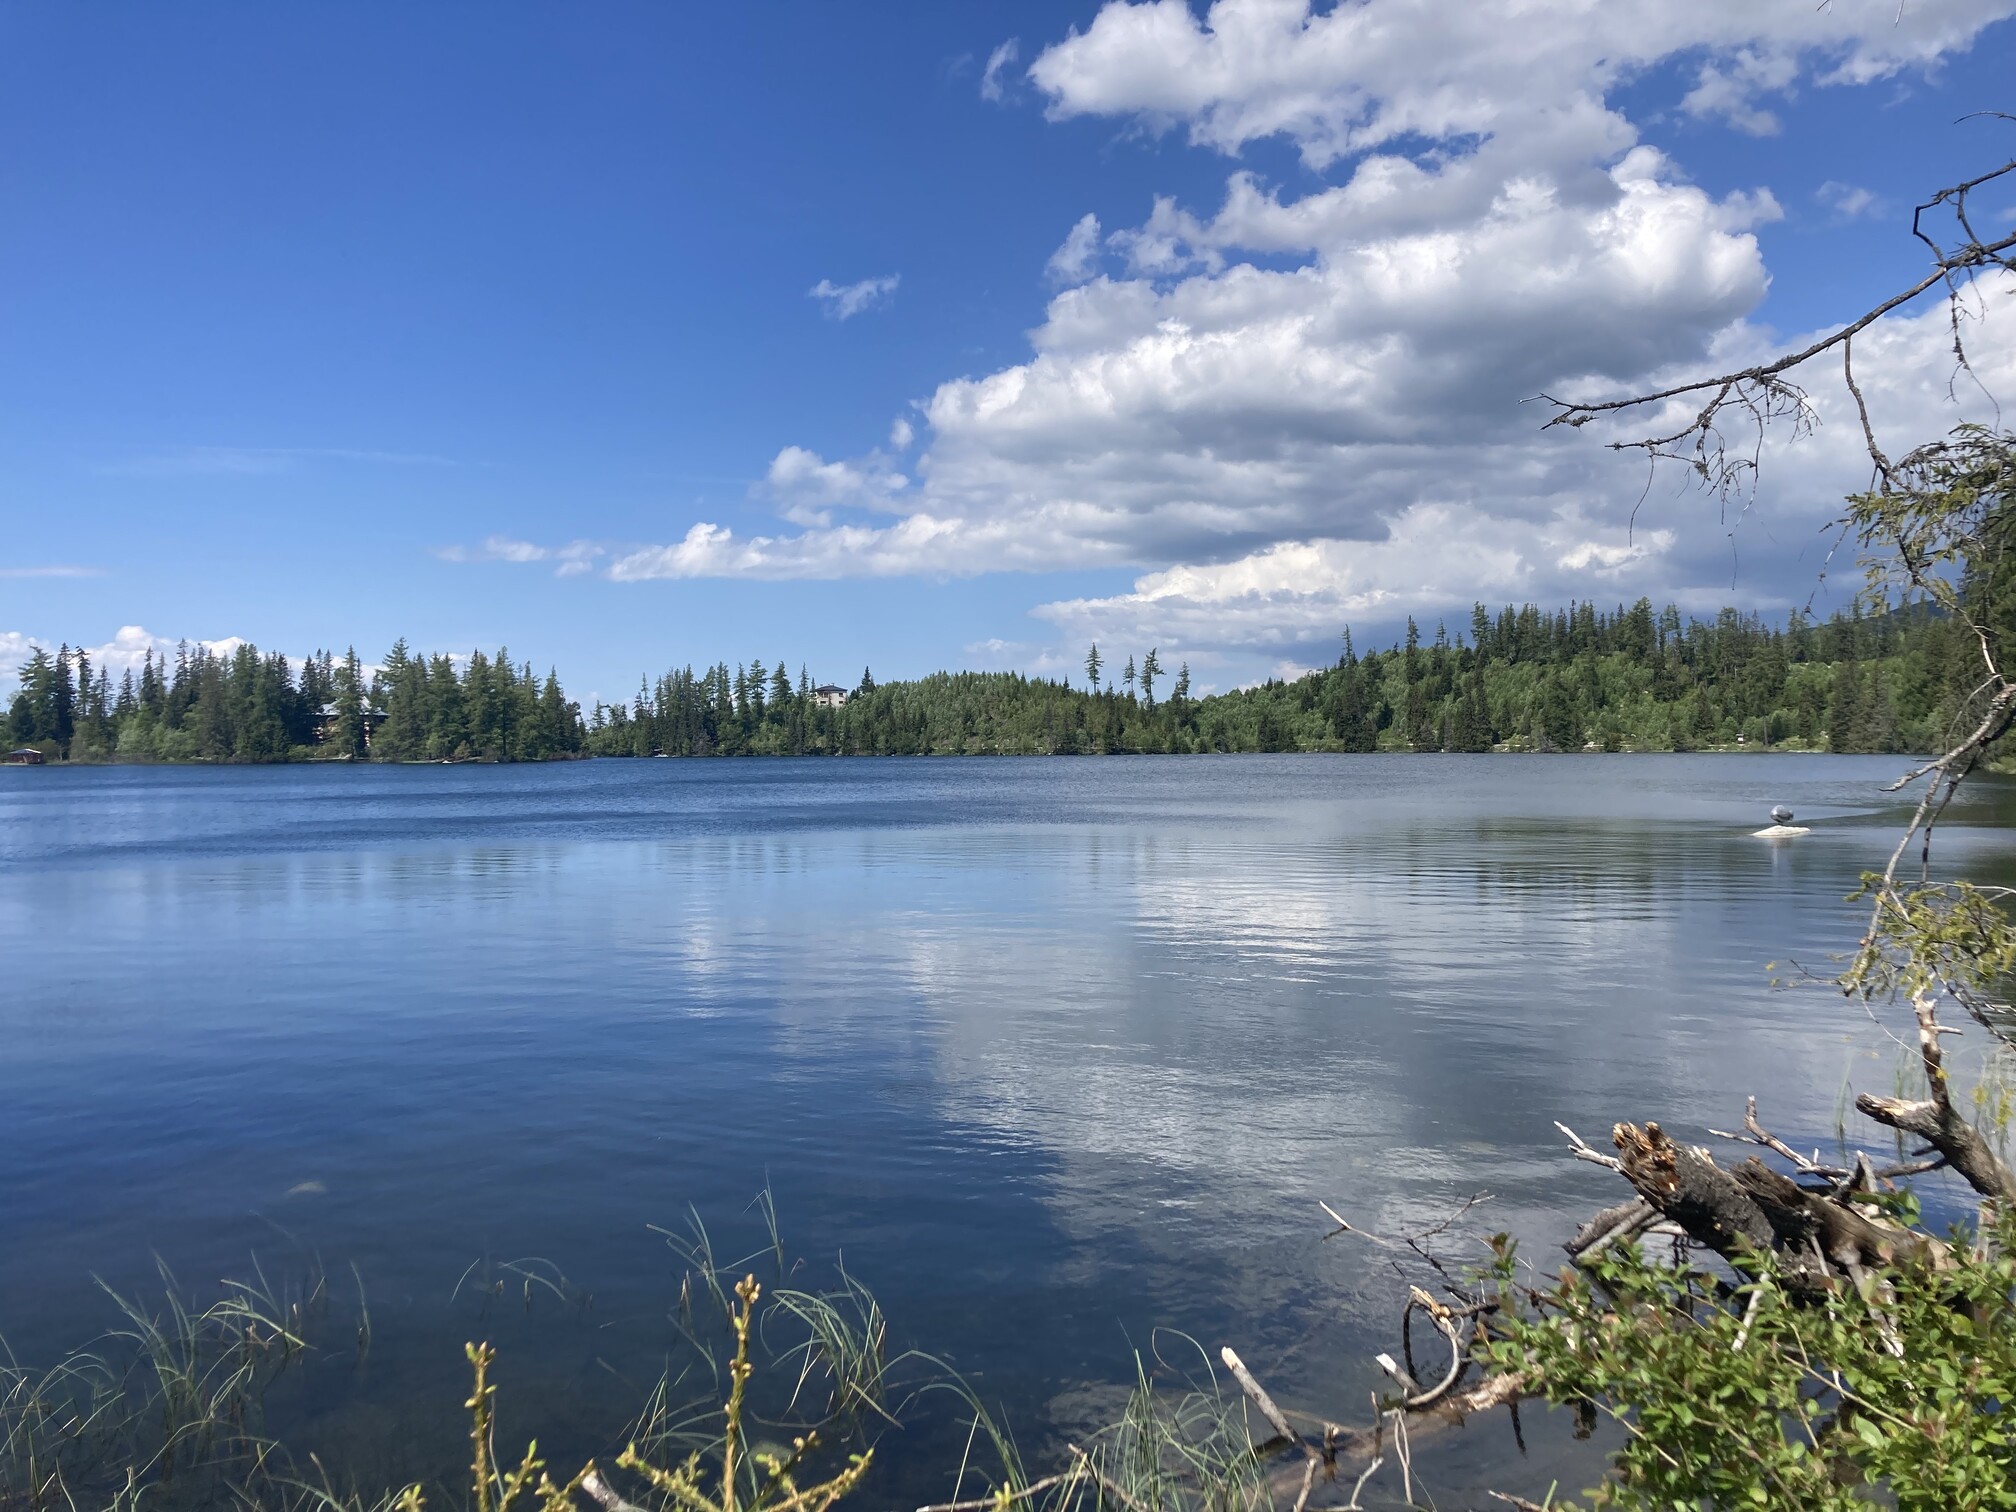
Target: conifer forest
[(1522, 679)]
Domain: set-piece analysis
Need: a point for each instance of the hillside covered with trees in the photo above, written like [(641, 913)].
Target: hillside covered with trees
[(1521, 679)]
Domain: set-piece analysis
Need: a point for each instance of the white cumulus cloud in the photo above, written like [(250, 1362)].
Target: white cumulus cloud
[(1571, 539), (15, 649), (1297, 407), (128, 649), (1359, 77), (1731, 91)]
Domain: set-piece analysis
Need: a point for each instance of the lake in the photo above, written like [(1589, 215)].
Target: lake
[(1055, 1054)]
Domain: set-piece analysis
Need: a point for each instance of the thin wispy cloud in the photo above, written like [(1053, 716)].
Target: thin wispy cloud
[(258, 461), (63, 571), (1077, 259), (997, 63), (571, 560), (845, 301), (1848, 201)]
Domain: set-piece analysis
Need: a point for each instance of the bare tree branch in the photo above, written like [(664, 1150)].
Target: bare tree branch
[(1762, 393), (1936, 1121)]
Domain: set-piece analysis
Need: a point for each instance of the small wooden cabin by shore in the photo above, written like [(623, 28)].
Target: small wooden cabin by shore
[(25, 756)]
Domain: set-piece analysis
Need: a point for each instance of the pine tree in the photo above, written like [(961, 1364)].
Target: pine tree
[(1878, 731), (403, 735), (1844, 709), (212, 713), (27, 718), (1349, 720), (153, 691), (1556, 715), (63, 703), (1469, 727), (84, 731), (346, 735)]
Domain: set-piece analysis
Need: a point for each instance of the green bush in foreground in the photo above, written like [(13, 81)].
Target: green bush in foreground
[(1745, 1396)]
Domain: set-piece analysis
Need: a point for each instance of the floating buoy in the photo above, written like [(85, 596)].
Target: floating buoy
[(1781, 826)]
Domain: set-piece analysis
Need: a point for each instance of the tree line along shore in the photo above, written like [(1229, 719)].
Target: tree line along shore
[(1524, 679)]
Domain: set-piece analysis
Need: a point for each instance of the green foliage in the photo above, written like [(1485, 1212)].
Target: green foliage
[(1846, 1383), (252, 707), (1523, 680), (1745, 1396), (1930, 938), (1939, 528), (170, 1398), (1182, 1444), (736, 1476), (166, 1409)]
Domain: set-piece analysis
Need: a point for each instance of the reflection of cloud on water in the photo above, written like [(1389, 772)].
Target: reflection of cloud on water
[(1098, 1067), (1203, 1036), (1241, 1029), (1203, 1031)]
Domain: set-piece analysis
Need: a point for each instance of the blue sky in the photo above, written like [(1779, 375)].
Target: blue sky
[(323, 324)]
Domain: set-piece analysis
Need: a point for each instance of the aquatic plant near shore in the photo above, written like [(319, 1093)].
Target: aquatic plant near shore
[(166, 1410), (744, 1477), (169, 1399)]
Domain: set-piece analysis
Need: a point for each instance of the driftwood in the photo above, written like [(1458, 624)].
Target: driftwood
[(1803, 1220), (1815, 1224), (1688, 1187), (1936, 1120), (1610, 1225)]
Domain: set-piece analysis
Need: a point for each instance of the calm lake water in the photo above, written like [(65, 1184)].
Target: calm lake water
[(1054, 1053)]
